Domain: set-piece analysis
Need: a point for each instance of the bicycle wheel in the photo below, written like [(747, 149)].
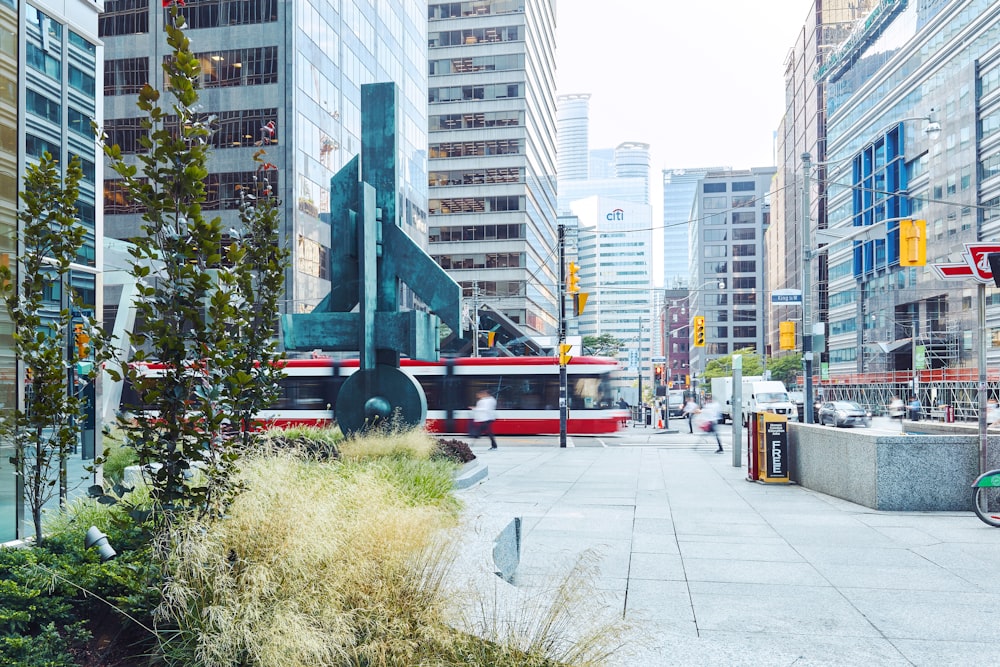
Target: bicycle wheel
[(986, 503)]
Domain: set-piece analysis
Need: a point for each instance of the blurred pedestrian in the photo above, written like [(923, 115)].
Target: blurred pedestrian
[(484, 413), (915, 409), (896, 408), (710, 413), (690, 410)]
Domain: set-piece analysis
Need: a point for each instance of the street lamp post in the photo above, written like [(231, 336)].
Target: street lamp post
[(807, 365)]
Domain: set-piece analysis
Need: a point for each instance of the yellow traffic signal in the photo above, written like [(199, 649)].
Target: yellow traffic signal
[(491, 337), (579, 303), (573, 280), (699, 331), (81, 340), (564, 357), (787, 335), (912, 242)]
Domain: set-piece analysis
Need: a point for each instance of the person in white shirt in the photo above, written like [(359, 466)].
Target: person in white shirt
[(483, 415)]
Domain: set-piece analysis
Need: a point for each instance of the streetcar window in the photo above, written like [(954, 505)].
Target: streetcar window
[(306, 393), (432, 390), (590, 392)]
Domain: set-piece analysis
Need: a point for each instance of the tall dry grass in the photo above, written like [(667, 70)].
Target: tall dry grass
[(316, 564)]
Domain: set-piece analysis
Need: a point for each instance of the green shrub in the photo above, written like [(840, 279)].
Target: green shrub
[(116, 456)]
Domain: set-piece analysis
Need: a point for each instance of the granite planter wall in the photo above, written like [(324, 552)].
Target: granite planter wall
[(926, 472)]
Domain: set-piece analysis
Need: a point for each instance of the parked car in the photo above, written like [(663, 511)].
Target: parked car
[(844, 413)]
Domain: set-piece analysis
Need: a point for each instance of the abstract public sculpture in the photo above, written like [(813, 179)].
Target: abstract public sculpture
[(370, 256)]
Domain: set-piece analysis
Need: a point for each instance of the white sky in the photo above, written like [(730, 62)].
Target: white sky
[(701, 81)]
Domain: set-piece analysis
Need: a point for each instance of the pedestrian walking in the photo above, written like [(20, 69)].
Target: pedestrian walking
[(896, 408), (915, 409), (690, 410), (484, 413), (710, 413)]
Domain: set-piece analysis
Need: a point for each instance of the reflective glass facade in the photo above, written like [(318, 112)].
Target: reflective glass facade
[(284, 77)]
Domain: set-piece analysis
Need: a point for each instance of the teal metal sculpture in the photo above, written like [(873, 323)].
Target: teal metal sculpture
[(370, 256)]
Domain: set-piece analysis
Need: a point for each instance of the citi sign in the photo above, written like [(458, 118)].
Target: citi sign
[(617, 214)]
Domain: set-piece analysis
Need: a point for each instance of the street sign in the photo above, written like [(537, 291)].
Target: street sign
[(786, 296), (976, 265)]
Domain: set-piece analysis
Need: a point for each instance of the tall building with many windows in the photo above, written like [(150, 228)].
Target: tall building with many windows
[(50, 56), (615, 255), (492, 149), (726, 249), (284, 77)]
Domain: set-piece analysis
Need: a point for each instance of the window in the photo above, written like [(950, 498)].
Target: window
[(43, 107), (476, 177), (476, 233), (124, 17), (221, 13), (79, 123), (714, 203), (471, 36), (126, 76), (468, 121), (239, 67), (744, 332), (82, 81), (744, 234), (744, 250), (43, 62), (36, 146), (470, 148), (745, 299), (222, 191), (713, 187), (125, 133), (744, 266), (744, 316), (716, 267), (744, 186), (716, 251), (743, 218), (744, 201), (715, 235), (745, 282)]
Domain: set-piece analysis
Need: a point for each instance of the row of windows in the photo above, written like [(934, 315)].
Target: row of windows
[(239, 67), (125, 76), (221, 13), (247, 127), (743, 234), (738, 186), (843, 356), (740, 266), (449, 10), (477, 64), (502, 260), (476, 233), (124, 17), (719, 202), (493, 288), (222, 191), (475, 148), (498, 91), (738, 218), (475, 177), (510, 33), (478, 119), (475, 205)]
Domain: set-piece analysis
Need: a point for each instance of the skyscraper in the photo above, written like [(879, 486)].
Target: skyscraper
[(492, 136), (573, 128), (283, 77)]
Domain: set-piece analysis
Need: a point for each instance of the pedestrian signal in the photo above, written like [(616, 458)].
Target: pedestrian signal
[(699, 331), (912, 242), (82, 341)]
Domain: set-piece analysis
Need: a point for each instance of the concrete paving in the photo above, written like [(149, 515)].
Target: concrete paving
[(707, 568)]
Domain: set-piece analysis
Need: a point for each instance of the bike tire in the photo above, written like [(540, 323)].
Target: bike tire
[(980, 503)]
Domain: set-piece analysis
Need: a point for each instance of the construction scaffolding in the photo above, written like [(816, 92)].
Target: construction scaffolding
[(955, 387)]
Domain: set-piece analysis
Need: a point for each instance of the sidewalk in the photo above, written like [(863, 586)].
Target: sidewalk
[(713, 570)]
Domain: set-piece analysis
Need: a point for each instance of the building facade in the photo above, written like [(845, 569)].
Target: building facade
[(51, 57), (680, 187), (283, 77), (615, 255), (726, 247), (492, 148), (919, 67)]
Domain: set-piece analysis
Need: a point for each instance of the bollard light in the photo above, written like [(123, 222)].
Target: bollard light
[(95, 538)]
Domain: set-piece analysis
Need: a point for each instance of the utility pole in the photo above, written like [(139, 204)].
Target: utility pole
[(807, 354), (475, 318), (563, 384)]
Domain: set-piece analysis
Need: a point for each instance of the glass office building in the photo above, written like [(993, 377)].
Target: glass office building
[(50, 56), (492, 108), (284, 77)]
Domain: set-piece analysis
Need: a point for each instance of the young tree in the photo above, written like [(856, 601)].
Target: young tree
[(46, 431), (207, 311), (723, 366)]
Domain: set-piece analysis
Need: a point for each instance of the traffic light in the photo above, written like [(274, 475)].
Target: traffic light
[(912, 242), (787, 335), (573, 279), (699, 331), (658, 373), (81, 339), (579, 302), (491, 337), (564, 357)]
